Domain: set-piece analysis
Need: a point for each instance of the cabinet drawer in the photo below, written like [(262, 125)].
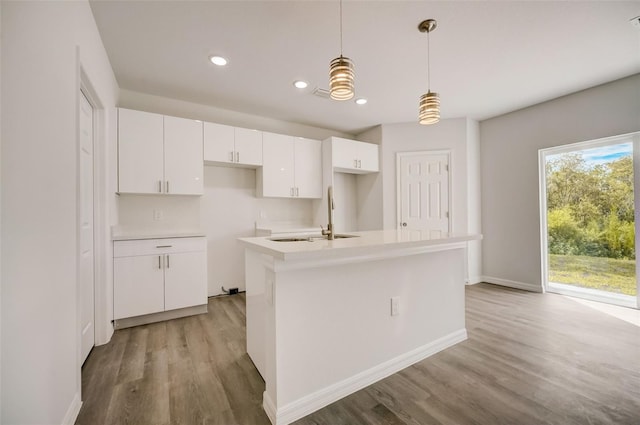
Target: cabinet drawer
[(137, 247)]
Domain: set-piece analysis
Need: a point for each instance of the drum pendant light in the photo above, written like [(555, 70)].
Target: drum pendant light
[(341, 73), (429, 112)]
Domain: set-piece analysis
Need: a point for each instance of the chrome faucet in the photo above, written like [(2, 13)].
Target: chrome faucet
[(329, 233)]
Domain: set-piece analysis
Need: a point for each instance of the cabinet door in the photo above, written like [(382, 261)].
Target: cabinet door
[(248, 146), (277, 165), (218, 143), (185, 280), (308, 168), (140, 152), (344, 153), (183, 163), (368, 157), (138, 286)]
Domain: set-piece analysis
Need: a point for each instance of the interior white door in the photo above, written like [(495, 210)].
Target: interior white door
[(86, 260), (424, 192)]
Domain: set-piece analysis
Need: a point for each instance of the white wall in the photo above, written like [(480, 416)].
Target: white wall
[(370, 194), (474, 201), (178, 108), (509, 164), (460, 136), (229, 208), (0, 211), (452, 134), (40, 83)]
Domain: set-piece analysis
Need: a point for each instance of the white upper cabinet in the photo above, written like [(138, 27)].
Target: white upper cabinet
[(277, 166), (248, 146), (308, 168), (292, 167), (351, 156), (140, 152), (228, 145), (183, 167), (159, 154), (218, 143)]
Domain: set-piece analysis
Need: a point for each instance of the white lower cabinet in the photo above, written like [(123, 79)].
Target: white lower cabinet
[(156, 275)]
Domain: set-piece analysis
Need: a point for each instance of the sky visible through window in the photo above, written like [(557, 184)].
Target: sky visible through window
[(601, 155)]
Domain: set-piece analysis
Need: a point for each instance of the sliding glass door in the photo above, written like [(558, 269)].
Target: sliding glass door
[(588, 215)]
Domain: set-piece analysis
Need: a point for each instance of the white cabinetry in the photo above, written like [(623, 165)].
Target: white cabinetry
[(228, 145), (351, 156), (156, 275), (292, 167), (159, 154)]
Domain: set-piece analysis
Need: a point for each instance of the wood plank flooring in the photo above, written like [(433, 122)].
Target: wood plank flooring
[(530, 359)]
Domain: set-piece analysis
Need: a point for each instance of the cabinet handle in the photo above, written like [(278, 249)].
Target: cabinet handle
[(297, 191), (159, 260), (291, 191), (231, 156), (359, 164), (355, 163), (237, 156), (164, 246), (159, 186), (167, 261)]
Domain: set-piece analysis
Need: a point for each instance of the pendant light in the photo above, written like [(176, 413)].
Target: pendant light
[(341, 73), (429, 102)]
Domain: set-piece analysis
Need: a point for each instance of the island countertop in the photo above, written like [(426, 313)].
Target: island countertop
[(381, 242)]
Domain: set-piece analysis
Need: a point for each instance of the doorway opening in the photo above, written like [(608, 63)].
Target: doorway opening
[(589, 202)]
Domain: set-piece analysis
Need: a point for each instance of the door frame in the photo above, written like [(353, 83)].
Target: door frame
[(103, 327), (399, 157), (599, 296)]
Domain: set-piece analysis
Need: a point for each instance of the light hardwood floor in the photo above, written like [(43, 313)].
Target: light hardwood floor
[(530, 359)]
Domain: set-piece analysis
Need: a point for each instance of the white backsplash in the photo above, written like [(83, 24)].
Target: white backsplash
[(228, 210)]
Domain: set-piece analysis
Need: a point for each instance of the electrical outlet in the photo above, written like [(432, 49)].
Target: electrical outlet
[(395, 306), (158, 215)]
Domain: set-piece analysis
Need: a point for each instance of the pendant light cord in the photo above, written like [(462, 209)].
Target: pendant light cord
[(428, 64), (340, 27)]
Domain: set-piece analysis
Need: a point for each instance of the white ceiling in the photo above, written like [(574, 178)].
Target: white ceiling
[(487, 57)]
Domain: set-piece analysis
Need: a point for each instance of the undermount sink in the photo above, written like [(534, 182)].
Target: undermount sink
[(290, 239), (311, 238)]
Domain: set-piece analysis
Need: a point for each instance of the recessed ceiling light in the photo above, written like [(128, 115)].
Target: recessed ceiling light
[(361, 101), (300, 84), (218, 60)]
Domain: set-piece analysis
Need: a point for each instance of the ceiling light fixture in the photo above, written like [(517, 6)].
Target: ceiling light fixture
[(429, 112), (361, 101), (299, 84), (341, 73), (218, 60)]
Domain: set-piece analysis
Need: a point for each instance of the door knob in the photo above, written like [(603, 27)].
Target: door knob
[(404, 224)]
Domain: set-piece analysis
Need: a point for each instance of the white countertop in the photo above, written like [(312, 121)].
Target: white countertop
[(122, 233), (366, 243)]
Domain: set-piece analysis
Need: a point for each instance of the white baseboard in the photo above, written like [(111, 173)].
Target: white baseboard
[(512, 284), (474, 279), (72, 411), (269, 407), (319, 399)]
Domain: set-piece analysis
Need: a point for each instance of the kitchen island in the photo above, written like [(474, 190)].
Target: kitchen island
[(326, 318)]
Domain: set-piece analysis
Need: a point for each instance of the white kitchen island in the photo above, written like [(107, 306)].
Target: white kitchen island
[(320, 322)]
